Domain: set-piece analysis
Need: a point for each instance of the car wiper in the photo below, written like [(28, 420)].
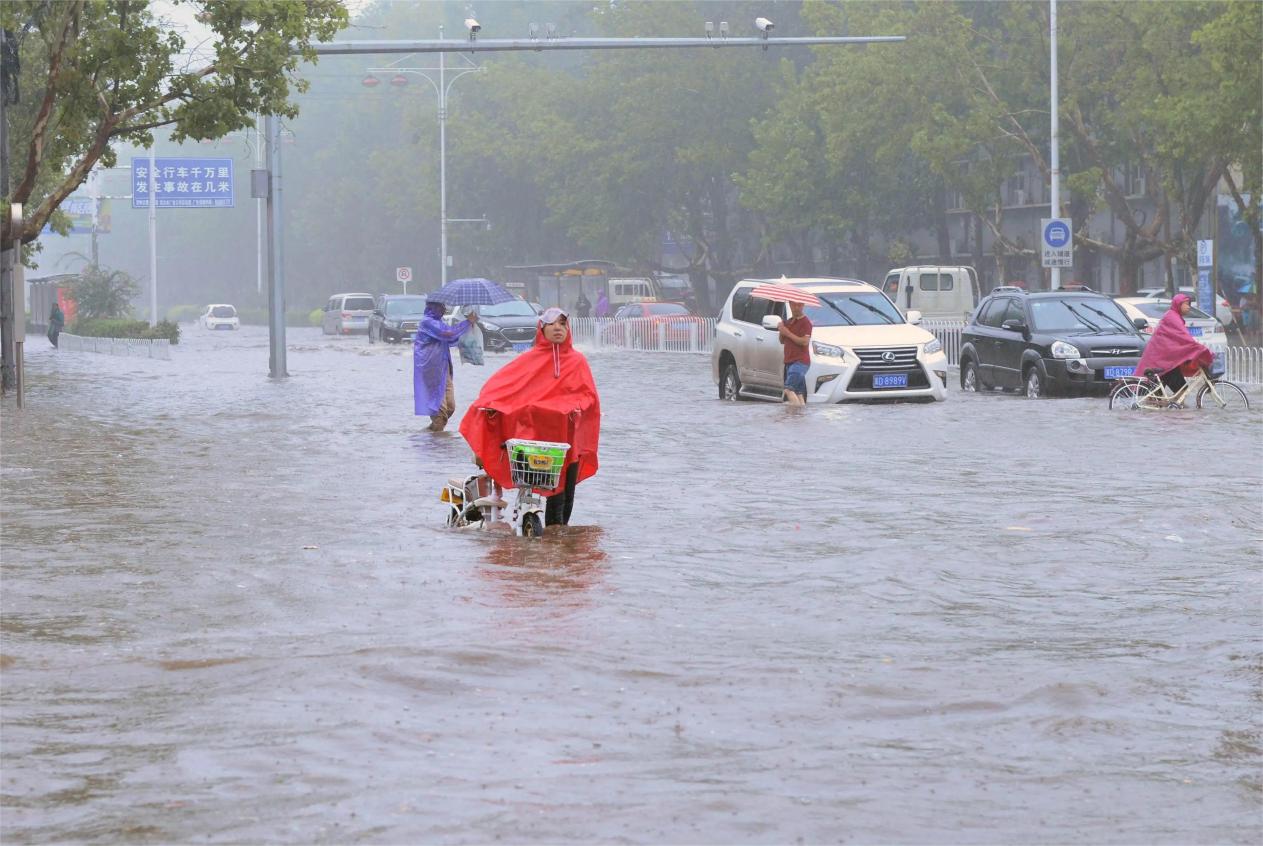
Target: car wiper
[(874, 310), (1106, 316), (844, 315), (1079, 316)]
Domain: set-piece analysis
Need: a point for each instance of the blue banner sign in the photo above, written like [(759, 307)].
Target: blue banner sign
[(184, 183), (1205, 292)]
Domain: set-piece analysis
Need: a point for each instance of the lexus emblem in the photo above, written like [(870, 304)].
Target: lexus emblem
[(888, 356)]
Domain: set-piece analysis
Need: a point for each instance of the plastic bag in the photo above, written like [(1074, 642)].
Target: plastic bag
[(470, 346)]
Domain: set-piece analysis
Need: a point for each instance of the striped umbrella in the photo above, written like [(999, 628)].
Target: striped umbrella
[(466, 292), (785, 294)]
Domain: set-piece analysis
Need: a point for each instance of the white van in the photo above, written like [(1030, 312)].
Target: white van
[(936, 292), (624, 291)]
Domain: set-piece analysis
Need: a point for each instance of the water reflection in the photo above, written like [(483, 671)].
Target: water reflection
[(559, 570)]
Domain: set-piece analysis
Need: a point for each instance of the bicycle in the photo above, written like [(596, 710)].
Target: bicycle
[(1150, 393), (533, 465)]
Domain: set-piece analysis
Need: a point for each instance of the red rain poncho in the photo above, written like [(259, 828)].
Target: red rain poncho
[(1171, 344), (536, 397)]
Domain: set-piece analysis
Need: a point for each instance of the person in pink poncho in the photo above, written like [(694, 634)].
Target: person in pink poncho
[(1172, 351)]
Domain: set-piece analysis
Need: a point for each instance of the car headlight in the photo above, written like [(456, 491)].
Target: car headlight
[(933, 346), (494, 327), (1060, 349), (827, 350)]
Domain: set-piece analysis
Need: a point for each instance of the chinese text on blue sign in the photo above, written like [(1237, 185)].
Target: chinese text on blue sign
[(184, 183)]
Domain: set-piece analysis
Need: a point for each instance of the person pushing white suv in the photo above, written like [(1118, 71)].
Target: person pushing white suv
[(862, 348)]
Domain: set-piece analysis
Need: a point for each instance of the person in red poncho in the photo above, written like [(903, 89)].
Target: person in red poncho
[(1172, 351), (545, 394)]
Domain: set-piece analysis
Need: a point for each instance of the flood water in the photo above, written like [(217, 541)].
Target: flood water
[(231, 613)]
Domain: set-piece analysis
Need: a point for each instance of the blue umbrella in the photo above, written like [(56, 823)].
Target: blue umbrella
[(467, 292)]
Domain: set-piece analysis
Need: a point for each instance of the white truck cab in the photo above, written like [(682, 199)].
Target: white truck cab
[(937, 292), (638, 290)]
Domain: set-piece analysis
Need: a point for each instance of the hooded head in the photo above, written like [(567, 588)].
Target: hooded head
[(1179, 301), (435, 309)]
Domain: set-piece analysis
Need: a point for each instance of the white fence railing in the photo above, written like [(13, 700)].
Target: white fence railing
[(1242, 364), (139, 347), (685, 333)]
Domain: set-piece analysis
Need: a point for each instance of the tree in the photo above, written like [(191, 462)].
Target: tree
[(102, 292), (99, 71)]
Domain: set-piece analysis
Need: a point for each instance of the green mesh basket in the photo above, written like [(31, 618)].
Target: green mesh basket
[(536, 464)]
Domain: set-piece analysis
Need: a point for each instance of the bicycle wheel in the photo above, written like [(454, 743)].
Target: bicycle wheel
[(1131, 394), (1222, 395)]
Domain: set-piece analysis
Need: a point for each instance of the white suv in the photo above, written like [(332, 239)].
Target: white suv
[(861, 346)]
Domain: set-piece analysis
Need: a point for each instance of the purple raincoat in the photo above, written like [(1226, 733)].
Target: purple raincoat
[(431, 361)]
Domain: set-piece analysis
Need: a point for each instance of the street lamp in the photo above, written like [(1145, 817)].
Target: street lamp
[(442, 87)]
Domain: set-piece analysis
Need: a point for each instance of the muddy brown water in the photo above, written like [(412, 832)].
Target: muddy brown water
[(231, 613)]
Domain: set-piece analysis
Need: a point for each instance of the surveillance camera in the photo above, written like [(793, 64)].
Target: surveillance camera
[(472, 25), (764, 25)]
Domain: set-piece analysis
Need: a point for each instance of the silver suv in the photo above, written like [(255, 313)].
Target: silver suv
[(861, 346), (347, 313)]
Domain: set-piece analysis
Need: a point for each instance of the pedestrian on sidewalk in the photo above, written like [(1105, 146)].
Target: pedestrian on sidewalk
[(432, 391)]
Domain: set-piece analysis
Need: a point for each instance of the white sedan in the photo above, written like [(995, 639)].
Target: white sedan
[(1223, 309), (1201, 325), (219, 316)]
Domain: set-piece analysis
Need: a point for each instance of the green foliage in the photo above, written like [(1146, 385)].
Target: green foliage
[(258, 316), (104, 327), (103, 293), (184, 313), (98, 71)]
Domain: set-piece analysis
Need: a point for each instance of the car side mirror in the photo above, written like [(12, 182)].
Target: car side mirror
[(1014, 325), (1140, 323), (914, 317), (771, 322)]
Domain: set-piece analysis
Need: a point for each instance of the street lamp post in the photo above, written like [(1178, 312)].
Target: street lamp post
[(442, 87)]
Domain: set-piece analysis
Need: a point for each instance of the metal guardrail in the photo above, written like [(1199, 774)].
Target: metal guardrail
[(138, 347), (1242, 364), (686, 333)]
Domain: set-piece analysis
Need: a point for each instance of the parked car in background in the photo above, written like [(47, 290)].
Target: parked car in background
[(1200, 325), (862, 348), (346, 314), (508, 326), (1054, 342), (1223, 309), (220, 316), (395, 318), (936, 292), (647, 326)]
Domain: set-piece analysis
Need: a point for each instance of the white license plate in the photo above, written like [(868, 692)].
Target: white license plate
[(891, 380), (1118, 372)]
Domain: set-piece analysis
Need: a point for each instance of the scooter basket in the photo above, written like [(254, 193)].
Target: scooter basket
[(536, 464)]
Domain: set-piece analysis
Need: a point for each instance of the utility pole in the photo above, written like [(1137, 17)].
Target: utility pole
[(1055, 157), (11, 253)]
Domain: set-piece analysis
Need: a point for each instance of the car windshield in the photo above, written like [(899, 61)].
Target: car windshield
[(862, 309), (666, 308), (358, 304), (1078, 315), (223, 311), (401, 308), (512, 308), (1157, 308)]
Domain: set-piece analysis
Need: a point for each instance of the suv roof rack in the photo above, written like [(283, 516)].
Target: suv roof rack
[(1008, 289)]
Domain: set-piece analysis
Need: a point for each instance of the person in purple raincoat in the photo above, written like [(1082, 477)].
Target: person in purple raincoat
[(432, 391)]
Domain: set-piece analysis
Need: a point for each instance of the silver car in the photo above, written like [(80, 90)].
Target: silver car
[(346, 314)]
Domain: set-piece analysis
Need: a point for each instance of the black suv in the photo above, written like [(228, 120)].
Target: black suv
[(395, 317), (1056, 342)]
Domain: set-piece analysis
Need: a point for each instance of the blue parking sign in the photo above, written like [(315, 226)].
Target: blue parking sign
[(188, 183)]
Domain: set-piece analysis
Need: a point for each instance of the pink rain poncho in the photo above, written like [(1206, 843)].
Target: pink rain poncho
[(1171, 344)]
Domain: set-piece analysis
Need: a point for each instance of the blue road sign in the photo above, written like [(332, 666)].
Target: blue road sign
[(1056, 234), (192, 183)]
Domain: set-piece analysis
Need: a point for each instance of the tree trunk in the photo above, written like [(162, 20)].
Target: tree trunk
[(978, 254), (940, 224)]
